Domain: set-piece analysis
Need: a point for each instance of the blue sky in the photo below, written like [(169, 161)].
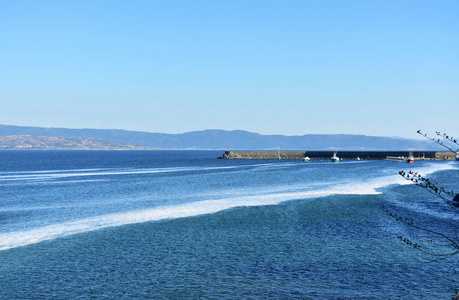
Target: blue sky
[(385, 68)]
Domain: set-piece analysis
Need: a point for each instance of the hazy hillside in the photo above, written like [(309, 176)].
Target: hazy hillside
[(221, 139), (27, 142)]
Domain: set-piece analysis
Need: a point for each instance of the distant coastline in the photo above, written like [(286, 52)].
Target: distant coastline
[(27, 137), (27, 142)]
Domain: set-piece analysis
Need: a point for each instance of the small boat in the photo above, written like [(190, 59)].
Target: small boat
[(395, 158), (410, 159), (334, 157), (358, 158), (306, 158)]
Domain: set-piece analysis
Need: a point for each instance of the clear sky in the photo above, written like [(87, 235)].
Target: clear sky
[(385, 68)]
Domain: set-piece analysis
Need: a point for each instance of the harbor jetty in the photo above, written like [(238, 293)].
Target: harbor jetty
[(343, 155)]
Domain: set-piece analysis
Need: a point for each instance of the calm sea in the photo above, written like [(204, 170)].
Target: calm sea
[(185, 225)]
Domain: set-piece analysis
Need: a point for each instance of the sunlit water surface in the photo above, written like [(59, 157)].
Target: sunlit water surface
[(182, 224)]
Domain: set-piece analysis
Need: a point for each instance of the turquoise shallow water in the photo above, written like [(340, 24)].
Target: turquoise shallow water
[(182, 224)]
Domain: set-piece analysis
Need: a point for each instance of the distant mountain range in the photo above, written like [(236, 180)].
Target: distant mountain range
[(222, 139)]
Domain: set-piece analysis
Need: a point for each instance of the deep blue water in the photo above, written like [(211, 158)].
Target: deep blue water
[(182, 224)]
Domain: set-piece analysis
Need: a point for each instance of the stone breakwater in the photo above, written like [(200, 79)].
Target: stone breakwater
[(418, 155)]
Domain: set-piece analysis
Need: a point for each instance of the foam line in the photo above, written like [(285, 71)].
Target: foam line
[(54, 171), (27, 237), (56, 175), (23, 238)]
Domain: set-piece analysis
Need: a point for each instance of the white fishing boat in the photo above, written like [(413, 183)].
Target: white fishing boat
[(334, 158), (410, 159), (306, 158)]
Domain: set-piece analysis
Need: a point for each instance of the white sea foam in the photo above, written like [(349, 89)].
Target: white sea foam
[(48, 175), (421, 207), (364, 187), (58, 174), (54, 171)]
